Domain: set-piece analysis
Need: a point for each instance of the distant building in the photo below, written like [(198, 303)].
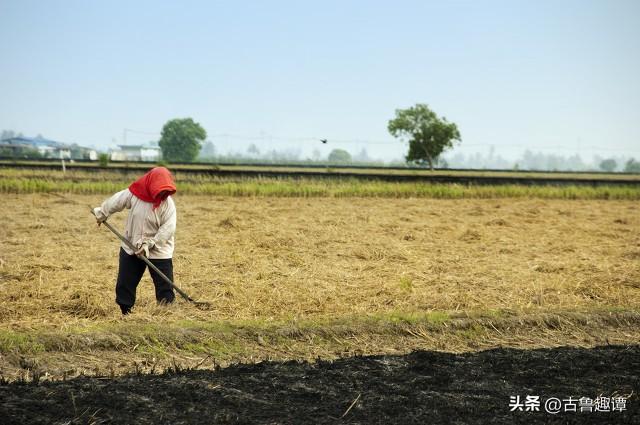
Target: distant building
[(46, 148), (80, 152), (20, 145), (148, 152)]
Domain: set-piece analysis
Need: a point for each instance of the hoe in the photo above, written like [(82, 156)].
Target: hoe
[(152, 266)]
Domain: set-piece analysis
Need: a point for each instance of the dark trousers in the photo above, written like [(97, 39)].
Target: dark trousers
[(130, 271)]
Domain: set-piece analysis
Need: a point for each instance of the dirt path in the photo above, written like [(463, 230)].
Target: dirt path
[(422, 387)]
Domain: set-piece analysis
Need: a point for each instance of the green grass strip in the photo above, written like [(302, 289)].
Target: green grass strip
[(235, 337), (336, 188)]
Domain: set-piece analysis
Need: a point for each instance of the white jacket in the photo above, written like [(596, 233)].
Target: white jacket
[(144, 224)]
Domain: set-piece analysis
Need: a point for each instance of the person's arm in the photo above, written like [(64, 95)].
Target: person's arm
[(116, 203), (166, 230)]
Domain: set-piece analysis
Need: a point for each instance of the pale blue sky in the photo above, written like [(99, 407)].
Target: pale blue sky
[(542, 75)]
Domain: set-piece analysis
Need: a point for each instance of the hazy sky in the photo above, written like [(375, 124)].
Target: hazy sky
[(551, 76)]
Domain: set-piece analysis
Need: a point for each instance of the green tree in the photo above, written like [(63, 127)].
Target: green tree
[(253, 150), (20, 152), (7, 134), (181, 140), (428, 135), (339, 156), (632, 166), (608, 165), (103, 159)]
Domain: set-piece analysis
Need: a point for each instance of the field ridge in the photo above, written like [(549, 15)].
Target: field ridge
[(153, 344)]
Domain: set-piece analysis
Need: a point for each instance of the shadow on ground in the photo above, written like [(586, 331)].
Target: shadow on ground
[(421, 387)]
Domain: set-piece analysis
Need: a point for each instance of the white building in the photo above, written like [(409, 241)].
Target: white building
[(148, 152)]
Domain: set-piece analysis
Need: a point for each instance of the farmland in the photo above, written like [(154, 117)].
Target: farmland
[(307, 270)]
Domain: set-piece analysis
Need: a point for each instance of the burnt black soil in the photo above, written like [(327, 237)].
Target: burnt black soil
[(421, 387)]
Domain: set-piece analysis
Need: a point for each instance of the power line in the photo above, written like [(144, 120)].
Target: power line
[(128, 130), (299, 139), (148, 133)]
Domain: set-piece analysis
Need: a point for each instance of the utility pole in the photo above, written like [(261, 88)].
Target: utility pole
[(64, 169)]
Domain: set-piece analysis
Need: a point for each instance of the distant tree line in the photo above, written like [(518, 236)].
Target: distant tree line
[(253, 154), (538, 161)]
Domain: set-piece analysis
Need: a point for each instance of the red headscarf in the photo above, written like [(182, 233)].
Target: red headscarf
[(149, 187)]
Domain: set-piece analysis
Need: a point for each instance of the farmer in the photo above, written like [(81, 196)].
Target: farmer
[(150, 227)]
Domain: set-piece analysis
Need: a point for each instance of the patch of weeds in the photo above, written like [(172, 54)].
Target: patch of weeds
[(473, 332), (221, 326), (490, 313), (213, 346), (23, 343), (437, 317), (406, 284), (154, 348), (433, 317)]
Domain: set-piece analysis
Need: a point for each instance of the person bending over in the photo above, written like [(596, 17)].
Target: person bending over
[(150, 227)]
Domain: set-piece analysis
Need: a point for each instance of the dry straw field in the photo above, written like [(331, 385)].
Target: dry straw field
[(302, 277)]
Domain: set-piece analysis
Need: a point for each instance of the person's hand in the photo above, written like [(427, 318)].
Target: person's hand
[(143, 250), (144, 247), (97, 212)]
